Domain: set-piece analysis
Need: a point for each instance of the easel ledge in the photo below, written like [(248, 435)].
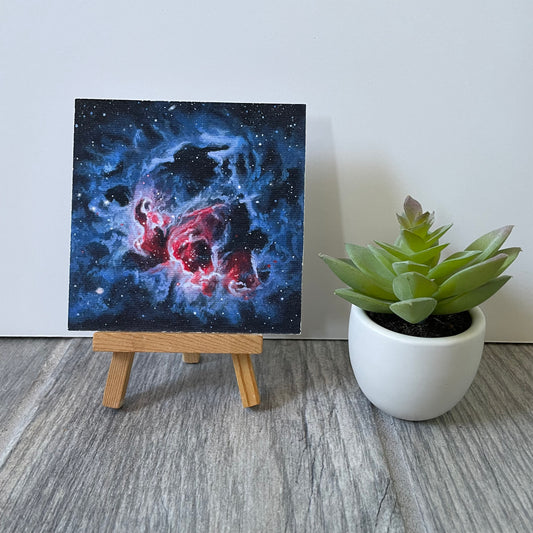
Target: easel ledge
[(191, 345)]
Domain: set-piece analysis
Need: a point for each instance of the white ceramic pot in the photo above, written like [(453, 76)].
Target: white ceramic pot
[(414, 378)]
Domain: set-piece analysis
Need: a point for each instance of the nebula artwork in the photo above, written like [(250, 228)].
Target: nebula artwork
[(187, 217)]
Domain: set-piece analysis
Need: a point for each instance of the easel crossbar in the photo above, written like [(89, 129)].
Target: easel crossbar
[(119, 341)]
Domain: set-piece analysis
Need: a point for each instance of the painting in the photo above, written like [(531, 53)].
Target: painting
[(187, 217)]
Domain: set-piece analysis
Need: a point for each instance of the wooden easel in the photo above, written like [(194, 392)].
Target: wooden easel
[(191, 345)]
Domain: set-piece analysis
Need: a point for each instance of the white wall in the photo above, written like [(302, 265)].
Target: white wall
[(427, 98)]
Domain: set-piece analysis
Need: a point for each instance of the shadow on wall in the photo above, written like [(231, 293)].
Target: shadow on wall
[(355, 199), (371, 199), (358, 208), (508, 303), (323, 223), (369, 203)]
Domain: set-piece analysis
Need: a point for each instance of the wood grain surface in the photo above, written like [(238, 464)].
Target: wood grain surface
[(21, 364), (314, 456), (118, 377), (123, 341)]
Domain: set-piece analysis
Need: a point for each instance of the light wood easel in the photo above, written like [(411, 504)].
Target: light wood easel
[(191, 345)]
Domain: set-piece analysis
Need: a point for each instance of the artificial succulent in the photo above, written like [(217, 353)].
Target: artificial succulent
[(407, 278)]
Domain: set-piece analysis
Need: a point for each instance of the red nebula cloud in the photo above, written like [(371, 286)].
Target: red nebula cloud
[(194, 243)]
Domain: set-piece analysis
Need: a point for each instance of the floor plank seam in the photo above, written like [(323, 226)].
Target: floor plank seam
[(400, 476), (25, 412)]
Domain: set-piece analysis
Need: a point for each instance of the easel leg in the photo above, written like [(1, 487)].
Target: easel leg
[(117, 379), (191, 357), (244, 371)]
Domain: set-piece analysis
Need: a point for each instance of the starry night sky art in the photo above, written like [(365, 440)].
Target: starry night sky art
[(187, 217)]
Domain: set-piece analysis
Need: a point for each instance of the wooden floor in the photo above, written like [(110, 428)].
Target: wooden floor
[(182, 455)]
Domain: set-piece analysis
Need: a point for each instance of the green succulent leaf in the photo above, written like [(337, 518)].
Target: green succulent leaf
[(414, 242), (414, 310), (433, 238), (452, 264), (490, 243), (347, 272), (413, 285), (422, 224), (400, 267), (364, 302), (512, 254), (403, 220), (393, 250), (365, 261), (469, 300), (429, 256), (471, 277), (384, 257)]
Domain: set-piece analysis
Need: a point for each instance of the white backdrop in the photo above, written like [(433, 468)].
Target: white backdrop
[(432, 99)]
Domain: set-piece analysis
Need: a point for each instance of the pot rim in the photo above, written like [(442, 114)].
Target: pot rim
[(476, 328)]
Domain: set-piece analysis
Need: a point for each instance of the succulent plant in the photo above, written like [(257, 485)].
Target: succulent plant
[(408, 279)]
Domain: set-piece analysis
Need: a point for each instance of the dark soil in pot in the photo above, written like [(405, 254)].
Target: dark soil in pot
[(433, 326)]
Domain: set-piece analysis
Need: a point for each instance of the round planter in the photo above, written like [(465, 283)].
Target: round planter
[(414, 378)]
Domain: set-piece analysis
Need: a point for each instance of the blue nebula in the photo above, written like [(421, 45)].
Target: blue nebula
[(187, 217)]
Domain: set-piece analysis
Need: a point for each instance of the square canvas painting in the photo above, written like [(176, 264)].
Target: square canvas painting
[(187, 217)]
